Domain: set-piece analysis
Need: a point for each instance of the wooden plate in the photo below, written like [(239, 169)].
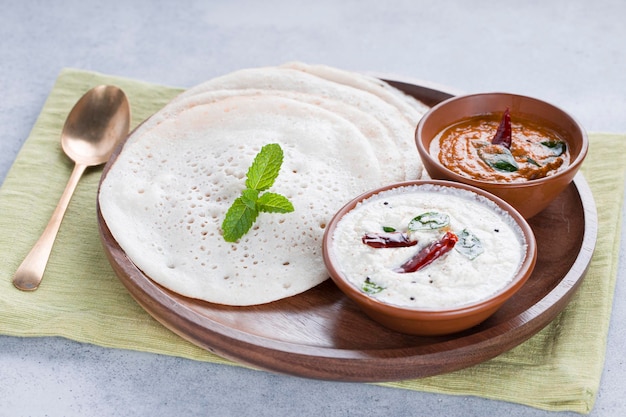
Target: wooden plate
[(322, 334)]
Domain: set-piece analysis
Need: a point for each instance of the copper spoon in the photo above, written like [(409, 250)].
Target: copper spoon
[(94, 126)]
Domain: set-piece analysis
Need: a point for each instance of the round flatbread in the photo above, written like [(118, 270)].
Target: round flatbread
[(165, 196)]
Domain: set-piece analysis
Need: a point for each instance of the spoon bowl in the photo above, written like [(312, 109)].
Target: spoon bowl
[(94, 126)]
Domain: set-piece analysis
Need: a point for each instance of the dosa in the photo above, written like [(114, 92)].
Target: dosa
[(166, 194)]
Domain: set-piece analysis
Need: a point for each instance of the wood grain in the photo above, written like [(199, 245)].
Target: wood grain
[(322, 334)]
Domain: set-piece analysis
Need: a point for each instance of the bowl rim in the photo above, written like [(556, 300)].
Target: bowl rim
[(522, 274), (571, 168)]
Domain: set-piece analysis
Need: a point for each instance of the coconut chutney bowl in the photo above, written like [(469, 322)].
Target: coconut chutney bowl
[(429, 257), (547, 149)]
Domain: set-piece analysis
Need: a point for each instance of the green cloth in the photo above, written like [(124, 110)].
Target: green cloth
[(81, 298)]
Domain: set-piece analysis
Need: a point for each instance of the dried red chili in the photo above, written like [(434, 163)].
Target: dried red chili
[(388, 240), (428, 254), (503, 134)]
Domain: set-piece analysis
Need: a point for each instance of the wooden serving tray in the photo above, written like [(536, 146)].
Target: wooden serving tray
[(322, 334)]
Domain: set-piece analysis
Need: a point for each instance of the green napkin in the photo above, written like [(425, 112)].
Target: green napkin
[(81, 299)]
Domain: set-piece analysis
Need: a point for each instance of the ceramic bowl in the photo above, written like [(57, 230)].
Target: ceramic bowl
[(529, 197), (432, 321)]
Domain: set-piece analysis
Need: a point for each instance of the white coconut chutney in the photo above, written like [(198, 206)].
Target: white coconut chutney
[(456, 278)]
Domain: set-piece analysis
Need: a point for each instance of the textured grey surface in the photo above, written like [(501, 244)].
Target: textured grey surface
[(570, 53)]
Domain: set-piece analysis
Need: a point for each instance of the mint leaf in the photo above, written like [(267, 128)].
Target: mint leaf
[(274, 203), (245, 209), (264, 170), (239, 219), (249, 198)]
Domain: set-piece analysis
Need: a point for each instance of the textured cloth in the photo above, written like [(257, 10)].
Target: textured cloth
[(81, 298)]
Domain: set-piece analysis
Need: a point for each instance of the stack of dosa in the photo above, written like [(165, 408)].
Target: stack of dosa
[(166, 194)]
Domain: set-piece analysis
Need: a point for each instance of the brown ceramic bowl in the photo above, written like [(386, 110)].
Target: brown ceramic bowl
[(432, 321), (529, 197)]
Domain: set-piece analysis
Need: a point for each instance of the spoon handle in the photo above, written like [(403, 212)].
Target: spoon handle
[(30, 273)]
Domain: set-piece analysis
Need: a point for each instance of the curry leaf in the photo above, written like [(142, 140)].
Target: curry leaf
[(371, 287), (469, 244), (501, 159), (557, 147), (429, 221)]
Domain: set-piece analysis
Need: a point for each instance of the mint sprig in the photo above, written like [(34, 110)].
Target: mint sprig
[(260, 177)]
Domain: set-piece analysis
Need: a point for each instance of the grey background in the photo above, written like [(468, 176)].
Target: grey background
[(571, 53)]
